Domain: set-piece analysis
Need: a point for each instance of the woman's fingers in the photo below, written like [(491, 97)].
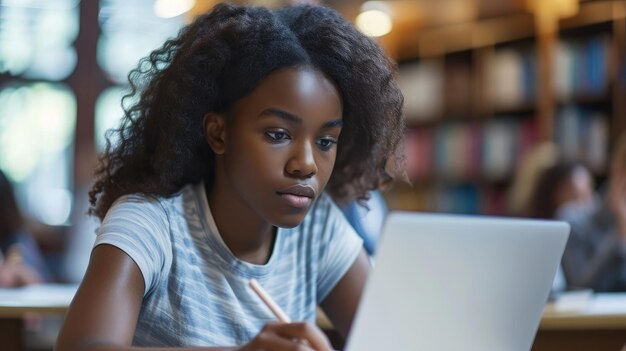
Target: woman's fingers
[(306, 331), (269, 340), (15, 275), (290, 337)]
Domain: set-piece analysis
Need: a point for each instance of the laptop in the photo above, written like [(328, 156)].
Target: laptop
[(448, 282)]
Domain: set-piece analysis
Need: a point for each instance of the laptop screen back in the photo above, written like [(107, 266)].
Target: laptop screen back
[(444, 282)]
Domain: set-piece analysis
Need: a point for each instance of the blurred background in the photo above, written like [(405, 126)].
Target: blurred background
[(496, 92), (485, 82)]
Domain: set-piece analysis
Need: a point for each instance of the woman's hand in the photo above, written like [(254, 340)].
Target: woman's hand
[(14, 272), (16, 275), (289, 336)]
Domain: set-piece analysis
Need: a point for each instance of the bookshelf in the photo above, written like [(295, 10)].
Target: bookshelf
[(472, 106)]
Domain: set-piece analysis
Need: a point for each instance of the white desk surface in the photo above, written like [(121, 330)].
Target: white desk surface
[(42, 298), (597, 311), (602, 311)]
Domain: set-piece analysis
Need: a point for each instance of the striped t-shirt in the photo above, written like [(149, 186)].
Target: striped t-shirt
[(196, 291)]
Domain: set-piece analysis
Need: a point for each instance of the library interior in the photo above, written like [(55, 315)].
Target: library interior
[(512, 109)]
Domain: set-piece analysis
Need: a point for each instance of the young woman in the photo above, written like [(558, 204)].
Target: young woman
[(252, 123)]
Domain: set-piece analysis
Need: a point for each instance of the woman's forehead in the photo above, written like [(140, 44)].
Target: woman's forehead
[(301, 91)]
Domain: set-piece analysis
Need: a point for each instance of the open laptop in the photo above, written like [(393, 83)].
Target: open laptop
[(444, 282)]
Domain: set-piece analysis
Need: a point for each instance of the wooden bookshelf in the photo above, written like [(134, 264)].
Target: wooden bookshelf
[(486, 124)]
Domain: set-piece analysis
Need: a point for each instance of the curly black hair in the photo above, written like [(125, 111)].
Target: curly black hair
[(221, 57)]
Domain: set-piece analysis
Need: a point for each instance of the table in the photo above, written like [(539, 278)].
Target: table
[(575, 322), (37, 299), (597, 323)]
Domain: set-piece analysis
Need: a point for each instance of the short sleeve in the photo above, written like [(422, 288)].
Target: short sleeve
[(340, 245), (139, 226)]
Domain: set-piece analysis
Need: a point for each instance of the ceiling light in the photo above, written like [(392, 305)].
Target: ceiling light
[(374, 19), (172, 8)]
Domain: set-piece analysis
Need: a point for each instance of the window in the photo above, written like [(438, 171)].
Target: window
[(37, 122), (36, 38)]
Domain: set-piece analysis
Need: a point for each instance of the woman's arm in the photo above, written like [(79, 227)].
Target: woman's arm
[(106, 306), (104, 312), (341, 303)]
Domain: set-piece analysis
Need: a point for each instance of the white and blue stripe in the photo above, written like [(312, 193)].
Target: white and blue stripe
[(196, 290)]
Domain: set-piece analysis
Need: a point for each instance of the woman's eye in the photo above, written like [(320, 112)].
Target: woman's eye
[(277, 135), (326, 143)]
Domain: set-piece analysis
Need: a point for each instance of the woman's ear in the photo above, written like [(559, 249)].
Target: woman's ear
[(215, 132)]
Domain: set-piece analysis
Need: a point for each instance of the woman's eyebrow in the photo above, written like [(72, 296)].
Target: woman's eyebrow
[(281, 114), (335, 123), (272, 111)]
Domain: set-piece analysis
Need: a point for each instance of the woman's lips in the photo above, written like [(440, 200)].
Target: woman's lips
[(296, 200), (298, 196)]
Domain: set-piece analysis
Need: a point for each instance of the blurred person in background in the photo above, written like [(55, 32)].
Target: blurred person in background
[(562, 184), (556, 185), (542, 184), (21, 262), (595, 255)]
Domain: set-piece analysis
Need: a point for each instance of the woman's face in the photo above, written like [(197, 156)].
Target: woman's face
[(281, 144)]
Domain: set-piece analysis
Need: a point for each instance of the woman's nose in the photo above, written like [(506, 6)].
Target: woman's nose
[(302, 162)]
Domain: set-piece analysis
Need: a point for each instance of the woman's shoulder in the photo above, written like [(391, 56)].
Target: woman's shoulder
[(136, 202), (147, 204)]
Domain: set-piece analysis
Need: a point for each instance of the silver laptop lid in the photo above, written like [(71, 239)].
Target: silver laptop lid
[(444, 282)]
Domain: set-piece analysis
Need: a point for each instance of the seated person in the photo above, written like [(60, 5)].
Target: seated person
[(21, 262), (559, 185), (595, 256)]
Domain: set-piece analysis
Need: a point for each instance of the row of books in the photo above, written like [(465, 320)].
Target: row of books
[(490, 151), (580, 69), (583, 135), (466, 198), (436, 87), (471, 199), (464, 151)]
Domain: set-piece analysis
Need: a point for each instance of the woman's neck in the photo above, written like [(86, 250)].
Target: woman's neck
[(247, 235)]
